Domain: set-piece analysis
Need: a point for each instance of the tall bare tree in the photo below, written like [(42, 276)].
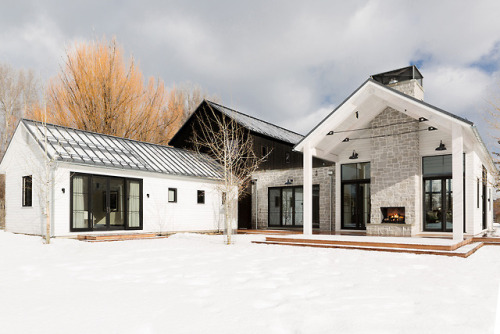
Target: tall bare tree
[(232, 146), (18, 91)]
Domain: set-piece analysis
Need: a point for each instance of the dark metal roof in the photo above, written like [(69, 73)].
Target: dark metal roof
[(257, 125), (89, 148), (401, 74)]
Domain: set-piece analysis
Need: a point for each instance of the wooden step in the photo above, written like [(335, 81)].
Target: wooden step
[(362, 243), (118, 237), (464, 251)]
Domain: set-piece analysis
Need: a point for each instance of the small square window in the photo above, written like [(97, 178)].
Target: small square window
[(287, 157), (201, 196), (27, 190), (224, 197), (172, 195)]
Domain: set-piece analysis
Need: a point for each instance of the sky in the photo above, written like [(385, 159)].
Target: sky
[(287, 62)]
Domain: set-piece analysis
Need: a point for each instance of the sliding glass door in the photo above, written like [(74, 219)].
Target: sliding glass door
[(112, 203), (286, 206)]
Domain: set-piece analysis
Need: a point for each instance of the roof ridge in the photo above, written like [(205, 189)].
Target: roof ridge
[(106, 135), (253, 117)]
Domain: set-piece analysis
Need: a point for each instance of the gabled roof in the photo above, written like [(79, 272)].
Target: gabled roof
[(89, 148), (257, 125), (372, 97)]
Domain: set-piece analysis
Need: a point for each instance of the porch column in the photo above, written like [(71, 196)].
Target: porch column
[(457, 182), (308, 214)]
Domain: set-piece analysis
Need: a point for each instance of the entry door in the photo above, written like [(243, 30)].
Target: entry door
[(438, 205), (108, 203), (355, 205)]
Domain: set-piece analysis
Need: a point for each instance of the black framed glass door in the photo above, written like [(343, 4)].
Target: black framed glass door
[(286, 206), (438, 204), (355, 196), (102, 203)]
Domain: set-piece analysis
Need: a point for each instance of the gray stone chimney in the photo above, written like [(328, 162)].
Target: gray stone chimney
[(407, 80)]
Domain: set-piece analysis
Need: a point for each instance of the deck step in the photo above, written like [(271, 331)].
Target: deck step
[(119, 237), (464, 251), (362, 243)]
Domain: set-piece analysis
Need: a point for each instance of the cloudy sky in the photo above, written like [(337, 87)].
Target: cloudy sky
[(288, 62)]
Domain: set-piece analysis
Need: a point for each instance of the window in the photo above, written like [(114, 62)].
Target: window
[(201, 196), (172, 195), (477, 191), (264, 151), (224, 196), (287, 157), (355, 194), (27, 190)]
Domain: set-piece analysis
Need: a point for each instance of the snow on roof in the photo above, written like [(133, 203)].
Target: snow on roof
[(84, 147), (258, 126)]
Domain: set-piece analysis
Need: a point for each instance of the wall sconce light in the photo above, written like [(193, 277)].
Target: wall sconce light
[(289, 182), (354, 155), (441, 147), (63, 190), (147, 195)]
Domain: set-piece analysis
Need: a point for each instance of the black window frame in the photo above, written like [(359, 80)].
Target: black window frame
[(90, 202), (175, 195), (357, 182), (200, 198), (27, 191), (316, 213)]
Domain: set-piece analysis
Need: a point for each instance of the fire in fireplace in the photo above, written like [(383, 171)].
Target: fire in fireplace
[(393, 215)]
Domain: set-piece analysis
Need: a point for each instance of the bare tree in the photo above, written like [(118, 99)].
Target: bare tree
[(18, 91), (230, 144), (493, 121)]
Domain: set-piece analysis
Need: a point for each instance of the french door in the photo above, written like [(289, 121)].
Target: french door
[(103, 203), (355, 205), (438, 204)]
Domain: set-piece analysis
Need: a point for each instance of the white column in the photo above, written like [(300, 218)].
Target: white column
[(457, 182), (307, 190), (338, 199)]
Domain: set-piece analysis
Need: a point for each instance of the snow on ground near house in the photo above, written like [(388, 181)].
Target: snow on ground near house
[(195, 284)]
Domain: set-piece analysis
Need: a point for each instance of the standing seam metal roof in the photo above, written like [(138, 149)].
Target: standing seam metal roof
[(84, 147), (257, 125)]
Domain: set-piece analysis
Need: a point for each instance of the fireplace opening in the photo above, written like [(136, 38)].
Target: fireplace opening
[(395, 215)]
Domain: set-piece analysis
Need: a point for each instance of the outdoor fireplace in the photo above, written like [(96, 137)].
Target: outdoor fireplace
[(394, 215)]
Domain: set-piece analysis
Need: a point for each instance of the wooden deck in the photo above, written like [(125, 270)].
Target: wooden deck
[(462, 249), (119, 237)]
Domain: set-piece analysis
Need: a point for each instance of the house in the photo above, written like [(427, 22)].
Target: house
[(403, 167), (96, 183), (275, 198)]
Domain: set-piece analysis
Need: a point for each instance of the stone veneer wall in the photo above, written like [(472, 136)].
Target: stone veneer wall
[(277, 178), (409, 87), (395, 163)]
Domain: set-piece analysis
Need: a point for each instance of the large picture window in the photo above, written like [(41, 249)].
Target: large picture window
[(286, 206), (105, 203)]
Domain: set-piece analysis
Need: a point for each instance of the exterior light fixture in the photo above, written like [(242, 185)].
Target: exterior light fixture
[(147, 195), (354, 155), (431, 128), (289, 182), (346, 139), (329, 133), (422, 119), (357, 114), (63, 190), (441, 147)]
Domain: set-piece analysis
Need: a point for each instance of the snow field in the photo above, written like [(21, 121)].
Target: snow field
[(195, 284)]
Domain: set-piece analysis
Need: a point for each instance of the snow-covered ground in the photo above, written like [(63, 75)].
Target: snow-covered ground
[(195, 284)]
